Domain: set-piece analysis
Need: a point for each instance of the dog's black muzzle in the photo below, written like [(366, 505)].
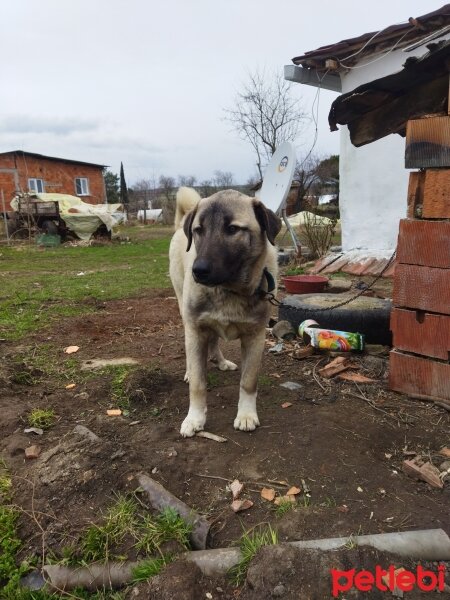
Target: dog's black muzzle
[(202, 271)]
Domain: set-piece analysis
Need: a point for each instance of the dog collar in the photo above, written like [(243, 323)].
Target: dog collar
[(266, 275)]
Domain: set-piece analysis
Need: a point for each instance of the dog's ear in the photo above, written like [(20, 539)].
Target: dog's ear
[(187, 226), (268, 221)]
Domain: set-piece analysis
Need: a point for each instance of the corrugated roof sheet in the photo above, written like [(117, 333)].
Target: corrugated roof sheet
[(413, 30)]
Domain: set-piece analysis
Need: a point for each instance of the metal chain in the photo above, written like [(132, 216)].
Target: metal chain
[(271, 298)]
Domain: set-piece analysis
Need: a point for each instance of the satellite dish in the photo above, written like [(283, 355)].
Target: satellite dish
[(278, 178), (277, 184)]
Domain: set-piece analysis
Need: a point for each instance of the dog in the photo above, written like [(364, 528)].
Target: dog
[(223, 262)]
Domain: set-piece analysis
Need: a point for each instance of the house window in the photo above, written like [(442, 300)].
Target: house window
[(81, 186), (36, 185)]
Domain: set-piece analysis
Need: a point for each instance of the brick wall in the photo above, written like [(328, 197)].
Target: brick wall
[(58, 175)]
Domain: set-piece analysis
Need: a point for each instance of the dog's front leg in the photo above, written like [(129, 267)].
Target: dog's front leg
[(197, 358), (251, 349)]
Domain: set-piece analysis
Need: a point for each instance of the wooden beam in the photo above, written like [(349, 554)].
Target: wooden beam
[(431, 97)]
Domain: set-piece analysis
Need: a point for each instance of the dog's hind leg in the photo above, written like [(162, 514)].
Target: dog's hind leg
[(252, 348), (197, 351), (216, 356)]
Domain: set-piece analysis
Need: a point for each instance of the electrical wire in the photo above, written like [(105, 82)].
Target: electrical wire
[(341, 63)]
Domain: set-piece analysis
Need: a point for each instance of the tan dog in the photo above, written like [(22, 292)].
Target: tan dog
[(222, 261)]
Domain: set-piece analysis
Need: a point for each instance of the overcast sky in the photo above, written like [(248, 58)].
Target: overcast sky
[(146, 82)]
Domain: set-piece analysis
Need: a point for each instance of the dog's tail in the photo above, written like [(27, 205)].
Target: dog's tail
[(187, 199)]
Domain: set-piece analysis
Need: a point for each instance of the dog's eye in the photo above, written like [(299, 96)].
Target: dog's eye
[(232, 229), (198, 230)]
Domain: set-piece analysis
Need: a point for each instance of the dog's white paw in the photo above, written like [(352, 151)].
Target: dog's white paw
[(227, 365), (191, 425), (246, 421)]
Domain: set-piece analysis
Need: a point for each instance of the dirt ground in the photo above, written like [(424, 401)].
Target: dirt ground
[(344, 442)]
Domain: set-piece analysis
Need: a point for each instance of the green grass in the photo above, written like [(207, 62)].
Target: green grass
[(119, 394), (39, 287), (124, 522), (283, 507), (168, 525), (42, 418), (264, 381), (98, 541), (250, 543), (212, 379), (149, 568)]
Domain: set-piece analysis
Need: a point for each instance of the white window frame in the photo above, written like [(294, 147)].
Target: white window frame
[(83, 184), (33, 185)]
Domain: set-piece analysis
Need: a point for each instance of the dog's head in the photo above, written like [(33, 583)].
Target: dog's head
[(230, 233)]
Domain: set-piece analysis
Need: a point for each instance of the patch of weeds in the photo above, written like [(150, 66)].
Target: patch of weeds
[(5, 483), (351, 543), (264, 381), (283, 507), (305, 501), (119, 389), (123, 522), (5, 487), (23, 378), (329, 502), (119, 522), (9, 546), (168, 525), (212, 379), (294, 271), (43, 418), (149, 568), (249, 544)]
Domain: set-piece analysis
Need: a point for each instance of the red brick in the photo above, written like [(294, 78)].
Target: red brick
[(424, 243), (421, 333), (421, 377), (423, 288)]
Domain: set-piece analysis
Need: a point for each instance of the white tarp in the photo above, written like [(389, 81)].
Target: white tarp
[(151, 214), (80, 217), (301, 217)]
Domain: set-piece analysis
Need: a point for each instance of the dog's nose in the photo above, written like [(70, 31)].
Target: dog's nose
[(201, 270)]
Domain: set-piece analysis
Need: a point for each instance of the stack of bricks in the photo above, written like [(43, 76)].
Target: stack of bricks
[(420, 321)]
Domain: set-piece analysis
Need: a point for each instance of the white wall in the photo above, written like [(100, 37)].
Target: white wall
[(373, 178)]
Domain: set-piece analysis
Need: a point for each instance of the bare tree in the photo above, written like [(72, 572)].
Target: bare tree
[(315, 176), (144, 190), (307, 177), (266, 115), (223, 179), (206, 188), (187, 180), (167, 187)]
